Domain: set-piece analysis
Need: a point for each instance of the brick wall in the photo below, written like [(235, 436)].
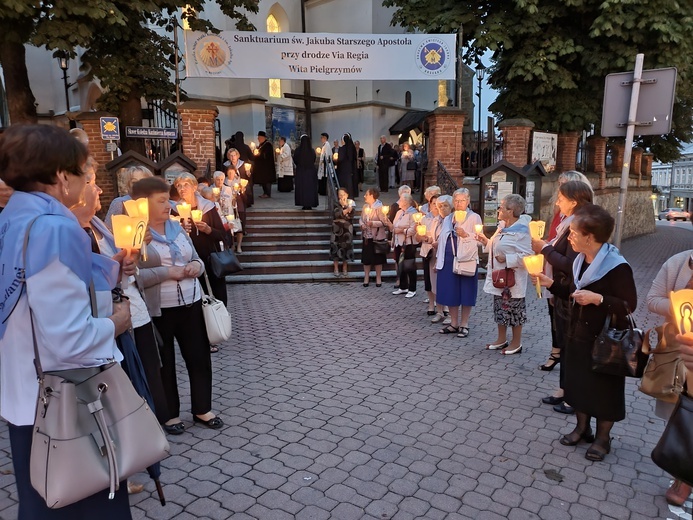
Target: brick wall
[(596, 155), (445, 126), (617, 152), (97, 148), (566, 153), (516, 138), (197, 120)]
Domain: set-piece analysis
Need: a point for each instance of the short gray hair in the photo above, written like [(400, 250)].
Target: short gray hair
[(461, 191), (432, 190), (515, 203), (219, 174), (408, 199), (445, 199), (404, 189)]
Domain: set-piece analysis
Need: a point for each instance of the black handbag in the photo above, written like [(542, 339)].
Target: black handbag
[(224, 263), (674, 451), (619, 352), (381, 247)]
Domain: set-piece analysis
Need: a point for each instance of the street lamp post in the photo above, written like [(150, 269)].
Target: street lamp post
[(64, 63), (480, 71)]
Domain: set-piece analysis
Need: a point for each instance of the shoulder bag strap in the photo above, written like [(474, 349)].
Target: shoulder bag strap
[(209, 287)]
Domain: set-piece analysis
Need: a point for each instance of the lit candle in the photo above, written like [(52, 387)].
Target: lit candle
[(367, 212), (460, 215), (479, 228), (682, 311), (237, 185), (278, 150), (244, 182), (216, 191), (252, 145), (350, 203), (183, 210), (139, 209), (386, 210), (536, 229), (318, 150), (196, 215), (421, 229), (534, 265), (256, 152), (335, 156), (418, 217), (247, 167)]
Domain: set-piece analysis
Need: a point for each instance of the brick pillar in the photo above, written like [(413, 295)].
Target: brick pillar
[(517, 134), (596, 157), (197, 119), (97, 148), (566, 154), (618, 150), (445, 127), (646, 165)]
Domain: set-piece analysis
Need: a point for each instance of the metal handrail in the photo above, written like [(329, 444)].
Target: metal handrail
[(445, 181), (332, 184)]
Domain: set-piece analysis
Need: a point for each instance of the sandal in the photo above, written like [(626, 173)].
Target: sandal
[(574, 437), (464, 332), (214, 423), (431, 313), (449, 330), (213, 349), (598, 451), (551, 363)]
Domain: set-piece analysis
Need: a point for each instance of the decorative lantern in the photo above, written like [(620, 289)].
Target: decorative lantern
[(183, 210), (460, 215), (536, 229), (682, 311), (535, 265), (421, 229)]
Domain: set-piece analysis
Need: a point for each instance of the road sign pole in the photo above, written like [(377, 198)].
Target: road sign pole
[(112, 152), (630, 131)]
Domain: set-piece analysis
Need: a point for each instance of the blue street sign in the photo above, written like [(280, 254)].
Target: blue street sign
[(110, 129)]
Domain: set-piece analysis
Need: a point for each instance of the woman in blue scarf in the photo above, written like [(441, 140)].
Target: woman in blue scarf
[(602, 285)]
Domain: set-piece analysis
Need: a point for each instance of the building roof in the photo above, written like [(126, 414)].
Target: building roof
[(410, 120)]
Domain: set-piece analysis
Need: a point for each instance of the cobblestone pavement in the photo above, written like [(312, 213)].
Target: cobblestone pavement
[(344, 402)]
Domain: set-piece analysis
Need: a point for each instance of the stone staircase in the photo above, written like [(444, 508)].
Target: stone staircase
[(287, 245)]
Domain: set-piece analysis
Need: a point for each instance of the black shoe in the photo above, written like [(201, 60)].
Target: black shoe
[(551, 363), (214, 423), (552, 400), (174, 429), (574, 437), (564, 408)]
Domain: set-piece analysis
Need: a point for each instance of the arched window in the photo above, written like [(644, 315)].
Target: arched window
[(275, 85), (407, 99)]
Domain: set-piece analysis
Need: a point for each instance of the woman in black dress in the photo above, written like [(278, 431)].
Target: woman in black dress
[(374, 226), (602, 286), (342, 238), (306, 177), (346, 166)]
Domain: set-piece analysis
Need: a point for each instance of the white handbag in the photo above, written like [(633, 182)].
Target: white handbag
[(217, 317), (465, 267)]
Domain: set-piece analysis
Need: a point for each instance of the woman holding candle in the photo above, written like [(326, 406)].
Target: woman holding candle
[(128, 176), (44, 164), (341, 240), (457, 239), (306, 194), (235, 173), (602, 286), (428, 194), (429, 243), (407, 175), (559, 256), (173, 295), (675, 274), (245, 156), (374, 226), (403, 233), (205, 233), (506, 247)]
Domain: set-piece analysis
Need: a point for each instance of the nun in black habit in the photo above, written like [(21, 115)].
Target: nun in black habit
[(306, 177), (346, 167)]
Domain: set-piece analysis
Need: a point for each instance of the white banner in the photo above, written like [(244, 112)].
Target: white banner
[(320, 56)]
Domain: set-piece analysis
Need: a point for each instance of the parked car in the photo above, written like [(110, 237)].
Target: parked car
[(674, 214)]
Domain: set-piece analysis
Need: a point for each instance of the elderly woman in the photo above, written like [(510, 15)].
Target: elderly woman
[(241, 196), (675, 274), (129, 177), (559, 265), (602, 286), (407, 166), (341, 240), (506, 248), (45, 166), (173, 294), (374, 227), (429, 245), (403, 232), (457, 240), (206, 233), (429, 192)]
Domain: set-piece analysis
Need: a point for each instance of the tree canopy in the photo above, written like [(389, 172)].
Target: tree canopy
[(551, 56)]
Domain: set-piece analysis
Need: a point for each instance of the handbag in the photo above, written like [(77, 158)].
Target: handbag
[(224, 262), (381, 247), (216, 316), (674, 451), (406, 265), (665, 374), (411, 165), (235, 224), (619, 352), (466, 264), (91, 429), (502, 278)]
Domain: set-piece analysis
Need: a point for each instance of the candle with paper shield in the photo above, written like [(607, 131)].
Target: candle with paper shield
[(335, 156), (128, 234), (367, 213), (479, 228), (196, 215), (386, 210), (682, 311), (460, 215), (318, 150), (247, 167), (421, 229), (244, 182), (418, 217), (535, 265), (183, 210), (278, 150), (139, 209), (216, 191), (536, 229)]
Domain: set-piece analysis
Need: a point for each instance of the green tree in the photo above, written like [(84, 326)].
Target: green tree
[(551, 56)]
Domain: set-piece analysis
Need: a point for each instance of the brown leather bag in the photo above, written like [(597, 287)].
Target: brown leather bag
[(503, 278), (665, 373)]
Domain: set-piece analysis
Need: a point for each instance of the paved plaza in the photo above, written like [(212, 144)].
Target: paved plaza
[(344, 402)]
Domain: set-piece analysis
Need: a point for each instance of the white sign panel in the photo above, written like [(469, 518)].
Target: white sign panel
[(320, 56), (544, 147)]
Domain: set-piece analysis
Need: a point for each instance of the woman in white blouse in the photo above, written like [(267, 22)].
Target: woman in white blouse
[(173, 296), (404, 230)]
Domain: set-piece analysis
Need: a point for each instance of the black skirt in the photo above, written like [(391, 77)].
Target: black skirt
[(285, 184), (369, 256)]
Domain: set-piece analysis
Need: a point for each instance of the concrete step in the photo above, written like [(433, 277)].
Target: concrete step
[(355, 275), (289, 267), (293, 255), (293, 236)]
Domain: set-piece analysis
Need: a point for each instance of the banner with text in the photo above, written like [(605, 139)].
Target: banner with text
[(320, 56)]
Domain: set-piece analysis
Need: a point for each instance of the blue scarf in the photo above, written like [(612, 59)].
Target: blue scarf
[(172, 230), (606, 260), (99, 226), (517, 227)]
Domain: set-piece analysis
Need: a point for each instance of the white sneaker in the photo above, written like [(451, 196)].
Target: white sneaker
[(399, 291), (447, 320), (410, 294), (437, 318)]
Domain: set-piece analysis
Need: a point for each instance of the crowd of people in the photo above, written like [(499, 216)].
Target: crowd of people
[(397, 164), (109, 296)]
